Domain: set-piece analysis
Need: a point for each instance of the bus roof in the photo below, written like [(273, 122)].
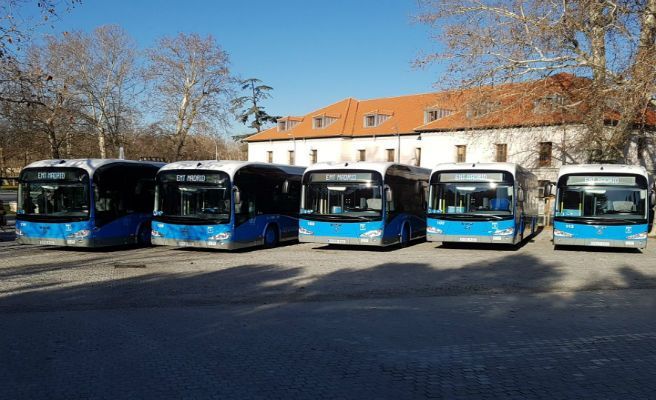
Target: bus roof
[(229, 166), (495, 166), (89, 164), (380, 167), (602, 168)]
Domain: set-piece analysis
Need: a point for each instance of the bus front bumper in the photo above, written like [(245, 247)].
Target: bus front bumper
[(634, 244), (55, 241), (205, 244), (507, 239), (347, 241)]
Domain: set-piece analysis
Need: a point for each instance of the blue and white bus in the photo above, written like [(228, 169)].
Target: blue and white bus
[(226, 204), (602, 205), (482, 202), (363, 203), (86, 203)]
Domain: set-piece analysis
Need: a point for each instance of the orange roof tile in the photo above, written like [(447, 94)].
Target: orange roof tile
[(507, 105)]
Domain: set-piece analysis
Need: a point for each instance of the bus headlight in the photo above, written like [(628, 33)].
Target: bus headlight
[(638, 236), (19, 232), (504, 232), (79, 234), (560, 233), (304, 231), (434, 230), (220, 236), (371, 234), (155, 233)]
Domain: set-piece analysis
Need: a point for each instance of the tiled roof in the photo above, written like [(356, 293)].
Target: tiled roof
[(533, 103)]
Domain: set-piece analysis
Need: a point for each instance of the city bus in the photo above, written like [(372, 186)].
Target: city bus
[(602, 205), (226, 204), (482, 202), (86, 203), (363, 203)]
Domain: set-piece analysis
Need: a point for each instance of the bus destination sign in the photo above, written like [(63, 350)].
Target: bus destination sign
[(601, 180), (471, 177), (341, 177), (191, 178)]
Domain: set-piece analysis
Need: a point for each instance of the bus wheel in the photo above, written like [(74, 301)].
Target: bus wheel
[(405, 236), (271, 237), (143, 235)]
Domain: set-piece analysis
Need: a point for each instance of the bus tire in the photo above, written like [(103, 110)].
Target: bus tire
[(404, 240), (271, 237), (143, 235)]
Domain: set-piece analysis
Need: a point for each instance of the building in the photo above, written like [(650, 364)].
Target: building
[(535, 124)]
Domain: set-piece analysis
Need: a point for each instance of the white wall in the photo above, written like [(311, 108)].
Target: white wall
[(438, 147)]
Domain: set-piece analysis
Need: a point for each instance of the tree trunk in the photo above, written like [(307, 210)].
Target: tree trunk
[(102, 144)]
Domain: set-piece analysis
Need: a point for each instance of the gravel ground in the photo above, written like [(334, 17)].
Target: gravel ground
[(34, 277)]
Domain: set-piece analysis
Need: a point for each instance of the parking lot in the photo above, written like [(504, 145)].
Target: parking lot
[(311, 321)]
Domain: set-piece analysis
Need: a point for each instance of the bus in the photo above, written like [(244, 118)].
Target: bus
[(482, 202), (226, 204), (363, 203), (86, 202), (602, 205)]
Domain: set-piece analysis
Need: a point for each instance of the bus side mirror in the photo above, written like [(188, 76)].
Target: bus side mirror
[(285, 187), (237, 195), (652, 198), (520, 195), (388, 194), (548, 189)]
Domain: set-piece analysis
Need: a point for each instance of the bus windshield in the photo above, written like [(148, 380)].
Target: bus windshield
[(343, 195), (193, 195), (602, 201), (472, 198), (54, 193)]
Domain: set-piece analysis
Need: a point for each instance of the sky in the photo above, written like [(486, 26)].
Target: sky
[(313, 53)]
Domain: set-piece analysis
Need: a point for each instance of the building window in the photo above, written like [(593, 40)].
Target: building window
[(313, 156), (436, 113), (545, 154), (549, 103), (362, 155), (418, 156), (269, 156), (390, 155), (291, 157), (373, 120), (322, 122), (286, 124), (461, 153), (482, 108), (502, 152)]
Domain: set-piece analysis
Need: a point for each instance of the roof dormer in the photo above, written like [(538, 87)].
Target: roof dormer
[(435, 113), (288, 123), (324, 120), (376, 118)]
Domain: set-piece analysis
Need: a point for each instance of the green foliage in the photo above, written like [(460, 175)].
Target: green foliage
[(247, 108)]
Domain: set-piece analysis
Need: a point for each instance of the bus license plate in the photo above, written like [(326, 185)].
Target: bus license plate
[(184, 244), (468, 239), (602, 244), (337, 241), (48, 242)]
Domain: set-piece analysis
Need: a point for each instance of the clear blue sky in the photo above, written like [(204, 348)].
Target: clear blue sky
[(313, 53)]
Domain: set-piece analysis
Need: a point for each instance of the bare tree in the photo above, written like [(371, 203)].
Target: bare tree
[(106, 80), (16, 31), (610, 43), (191, 83)]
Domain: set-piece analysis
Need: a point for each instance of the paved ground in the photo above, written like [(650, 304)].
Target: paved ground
[(307, 321)]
